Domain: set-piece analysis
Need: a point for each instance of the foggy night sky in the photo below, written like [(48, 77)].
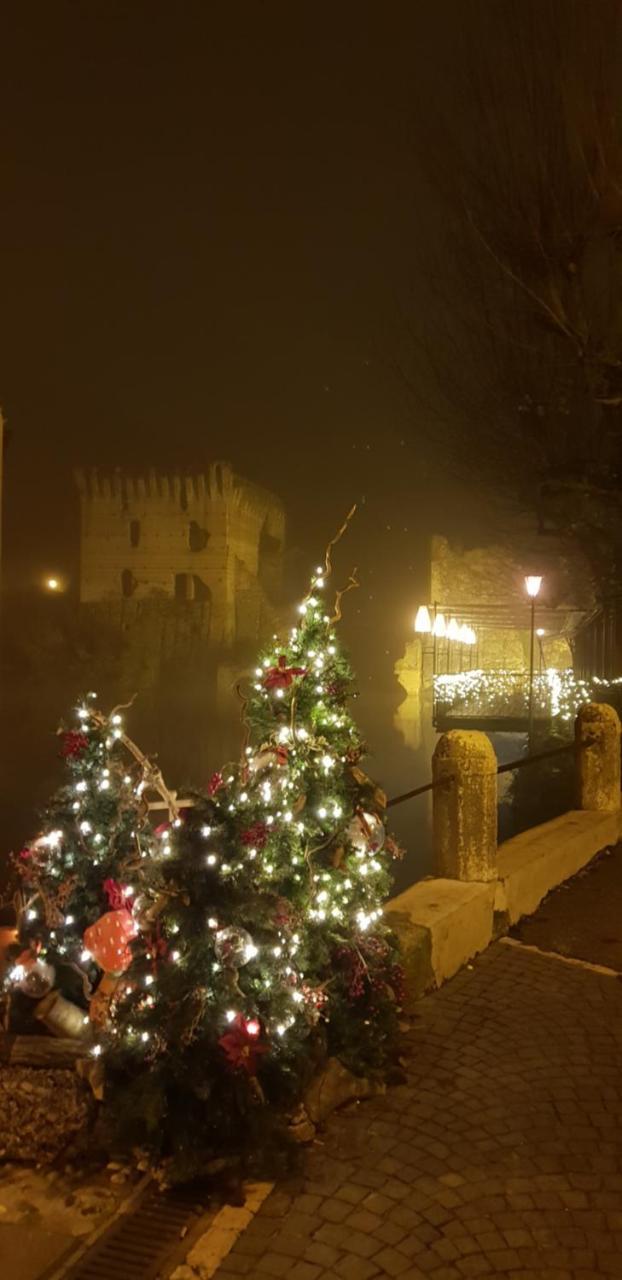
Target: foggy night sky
[(207, 215)]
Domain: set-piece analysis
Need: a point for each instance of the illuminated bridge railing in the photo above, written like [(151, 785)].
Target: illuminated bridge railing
[(503, 696)]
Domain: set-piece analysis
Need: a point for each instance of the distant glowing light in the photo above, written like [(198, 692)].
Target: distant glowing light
[(423, 621)]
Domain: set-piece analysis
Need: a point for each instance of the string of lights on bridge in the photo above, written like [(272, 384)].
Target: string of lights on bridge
[(559, 693)]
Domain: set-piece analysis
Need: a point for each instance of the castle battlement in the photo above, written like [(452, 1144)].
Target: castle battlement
[(208, 536), (217, 481)]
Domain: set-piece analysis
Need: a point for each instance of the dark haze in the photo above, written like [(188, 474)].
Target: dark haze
[(215, 224)]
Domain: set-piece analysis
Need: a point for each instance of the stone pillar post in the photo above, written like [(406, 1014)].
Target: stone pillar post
[(597, 741), (465, 808)]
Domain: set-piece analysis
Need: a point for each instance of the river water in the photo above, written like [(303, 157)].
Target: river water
[(191, 739)]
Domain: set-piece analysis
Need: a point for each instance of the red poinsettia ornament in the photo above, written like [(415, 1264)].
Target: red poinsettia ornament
[(255, 836), (282, 676), (215, 783), (108, 939), (73, 743), (241, 1044)]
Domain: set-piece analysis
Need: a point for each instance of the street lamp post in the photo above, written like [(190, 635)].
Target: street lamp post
[(540, 632), (532, 587)]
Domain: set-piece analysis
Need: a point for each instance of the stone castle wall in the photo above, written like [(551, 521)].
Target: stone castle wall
[(493, 576), (212, 540)]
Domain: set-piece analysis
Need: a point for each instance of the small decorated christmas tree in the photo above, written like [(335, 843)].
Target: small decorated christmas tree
[(75, 917), (267, 949)]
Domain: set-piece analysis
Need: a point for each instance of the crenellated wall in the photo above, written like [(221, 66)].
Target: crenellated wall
[(210, 537)]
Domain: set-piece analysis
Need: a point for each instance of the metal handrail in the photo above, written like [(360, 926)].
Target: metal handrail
[(502, 768), (540, 755), (417, 791)]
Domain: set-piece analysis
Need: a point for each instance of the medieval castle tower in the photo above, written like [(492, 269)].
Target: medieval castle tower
[(152, 543)]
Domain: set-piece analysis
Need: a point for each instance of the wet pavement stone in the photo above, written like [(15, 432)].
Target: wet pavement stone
[(500, 1156)]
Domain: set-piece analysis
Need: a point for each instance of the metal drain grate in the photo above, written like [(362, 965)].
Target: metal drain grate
[(140, 1244)]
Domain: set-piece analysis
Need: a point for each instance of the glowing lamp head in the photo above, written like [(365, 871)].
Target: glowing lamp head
[(532, 585), (423, 622), (52, 584), (439, 627), (453, 630)]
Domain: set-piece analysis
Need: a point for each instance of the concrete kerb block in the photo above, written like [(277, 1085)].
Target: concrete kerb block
[(443, 923), (539, 860), (440, 925), (464, 767), (597, 742)]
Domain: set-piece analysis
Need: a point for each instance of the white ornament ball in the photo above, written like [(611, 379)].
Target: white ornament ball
[(38, 979), (234, 947), (262, 761), (366, 833)]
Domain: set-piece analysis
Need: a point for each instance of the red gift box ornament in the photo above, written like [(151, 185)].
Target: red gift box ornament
[(282, 676), (107, 940)]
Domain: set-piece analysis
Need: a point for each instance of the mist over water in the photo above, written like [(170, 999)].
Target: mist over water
[(192, 732)]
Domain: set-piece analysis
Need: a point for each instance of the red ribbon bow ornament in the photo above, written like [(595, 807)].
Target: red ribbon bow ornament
[(282, 676)]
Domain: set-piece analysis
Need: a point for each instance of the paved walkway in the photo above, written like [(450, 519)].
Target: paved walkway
[(500, 1156)]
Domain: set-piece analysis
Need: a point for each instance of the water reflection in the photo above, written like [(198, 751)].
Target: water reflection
[(193, 726), (403, 739)]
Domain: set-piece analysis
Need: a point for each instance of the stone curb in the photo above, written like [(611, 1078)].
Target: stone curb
[(441, 924), (209, 1250)]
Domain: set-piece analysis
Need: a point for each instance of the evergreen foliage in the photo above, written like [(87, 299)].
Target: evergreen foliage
[(94, 836), (262, 946)]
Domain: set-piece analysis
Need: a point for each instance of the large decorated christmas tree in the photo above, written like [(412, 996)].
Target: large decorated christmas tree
[(262, 948)]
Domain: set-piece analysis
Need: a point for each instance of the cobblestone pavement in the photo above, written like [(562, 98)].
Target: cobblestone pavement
[(500, 1156)]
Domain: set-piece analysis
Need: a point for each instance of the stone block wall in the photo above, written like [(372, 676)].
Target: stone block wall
[(463, 577), (187, 539)]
